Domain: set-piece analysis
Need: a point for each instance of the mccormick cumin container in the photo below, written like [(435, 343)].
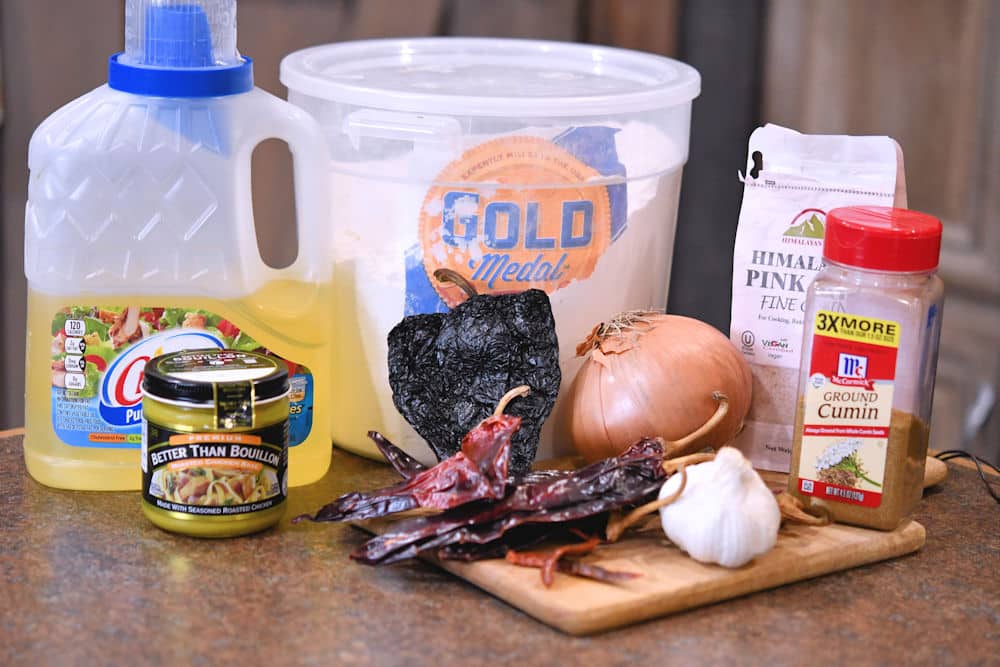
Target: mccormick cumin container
[(869, 361), (215, 442)]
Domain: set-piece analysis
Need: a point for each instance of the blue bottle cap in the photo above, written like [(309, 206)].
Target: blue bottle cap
[(180, 48)]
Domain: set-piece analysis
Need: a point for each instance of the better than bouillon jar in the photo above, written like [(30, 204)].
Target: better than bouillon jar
[(215, 442), (869, 355)]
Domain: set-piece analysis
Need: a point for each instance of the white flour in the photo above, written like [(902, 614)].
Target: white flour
[(376, 223)]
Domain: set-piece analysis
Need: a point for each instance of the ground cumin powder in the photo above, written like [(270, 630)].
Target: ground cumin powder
[(902, 485)]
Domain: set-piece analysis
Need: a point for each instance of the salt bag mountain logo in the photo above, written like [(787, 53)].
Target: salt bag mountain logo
[(504, 236), (807, 228)]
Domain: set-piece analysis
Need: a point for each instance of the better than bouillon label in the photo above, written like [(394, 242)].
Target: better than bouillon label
[(848, 407), (215, 473)]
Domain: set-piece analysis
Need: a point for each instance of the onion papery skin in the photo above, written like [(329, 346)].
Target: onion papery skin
[(657, 379)]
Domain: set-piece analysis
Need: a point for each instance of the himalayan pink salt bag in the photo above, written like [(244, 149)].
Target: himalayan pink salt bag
[(792, 180)]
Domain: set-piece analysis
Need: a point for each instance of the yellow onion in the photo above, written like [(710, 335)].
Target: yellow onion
[(650, 374)]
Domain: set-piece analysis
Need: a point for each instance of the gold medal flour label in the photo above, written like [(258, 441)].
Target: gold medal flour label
[(504, 237), (848, 407)]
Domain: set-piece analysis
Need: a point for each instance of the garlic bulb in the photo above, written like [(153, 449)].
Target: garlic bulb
[(725, 515)]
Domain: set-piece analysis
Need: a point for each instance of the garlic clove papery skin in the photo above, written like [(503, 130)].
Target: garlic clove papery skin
[(725, 515)]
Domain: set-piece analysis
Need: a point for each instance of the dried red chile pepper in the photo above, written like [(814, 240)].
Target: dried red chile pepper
[(488, 514), (630, 479), (448, 370), (401, 462), (478, 471), (521, 537), (546, 563), (554, 561)]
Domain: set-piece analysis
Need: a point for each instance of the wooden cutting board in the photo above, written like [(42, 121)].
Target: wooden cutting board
[(672, 582)]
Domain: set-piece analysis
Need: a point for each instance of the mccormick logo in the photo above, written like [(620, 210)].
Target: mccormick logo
[(807, 228), (506, 239), (121, 388), (852, 365), (852, 371)]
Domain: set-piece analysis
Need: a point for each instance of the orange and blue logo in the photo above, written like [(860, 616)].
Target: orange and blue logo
[(481, 220), (121, 387)]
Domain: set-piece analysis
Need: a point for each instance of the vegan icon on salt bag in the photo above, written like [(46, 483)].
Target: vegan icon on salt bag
[(792, 180)]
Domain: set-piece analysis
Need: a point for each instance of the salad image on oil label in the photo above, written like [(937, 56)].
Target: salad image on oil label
[(106, 332), (99, 354), (841, 464)]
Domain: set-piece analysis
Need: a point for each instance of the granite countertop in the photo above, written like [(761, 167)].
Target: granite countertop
[(87, 580)]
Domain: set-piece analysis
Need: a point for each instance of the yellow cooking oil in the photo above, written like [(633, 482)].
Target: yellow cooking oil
[(286, 318)]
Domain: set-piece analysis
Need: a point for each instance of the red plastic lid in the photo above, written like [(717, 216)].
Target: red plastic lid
[(883, 238)]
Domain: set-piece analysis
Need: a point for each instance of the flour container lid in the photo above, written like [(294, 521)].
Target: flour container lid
[(501, 78)]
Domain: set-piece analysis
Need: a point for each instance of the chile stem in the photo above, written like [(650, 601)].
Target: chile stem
[(615, 530), (523, 390), (457, 279)]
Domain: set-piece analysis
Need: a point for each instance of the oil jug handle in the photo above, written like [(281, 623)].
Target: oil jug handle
[(278, 119)]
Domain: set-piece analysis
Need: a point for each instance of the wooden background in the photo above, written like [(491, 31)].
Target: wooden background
[(923, 71)]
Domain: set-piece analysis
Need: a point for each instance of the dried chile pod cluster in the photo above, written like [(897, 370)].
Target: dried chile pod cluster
[(627, 480), (480, 522), (448, 370)]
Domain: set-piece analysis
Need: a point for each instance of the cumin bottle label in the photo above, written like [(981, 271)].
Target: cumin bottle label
[(848, 408)]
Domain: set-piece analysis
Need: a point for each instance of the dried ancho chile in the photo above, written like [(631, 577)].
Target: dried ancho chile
[(448, 370)]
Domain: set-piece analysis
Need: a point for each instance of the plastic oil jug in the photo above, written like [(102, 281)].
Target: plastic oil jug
[(139, 240)]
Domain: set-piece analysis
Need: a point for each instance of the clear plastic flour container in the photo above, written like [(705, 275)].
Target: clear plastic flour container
[(516, 163)]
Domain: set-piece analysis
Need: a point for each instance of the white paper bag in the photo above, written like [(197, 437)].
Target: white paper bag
[(779, 247)]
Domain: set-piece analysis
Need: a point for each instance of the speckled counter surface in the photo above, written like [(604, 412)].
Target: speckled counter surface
[(87, 581)]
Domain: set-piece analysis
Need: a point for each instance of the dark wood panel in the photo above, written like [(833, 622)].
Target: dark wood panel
[(927, 73), (722, 41), (927, 89), (644, 25), (46, 63), (968, 371), (268, 30), (538, 19)]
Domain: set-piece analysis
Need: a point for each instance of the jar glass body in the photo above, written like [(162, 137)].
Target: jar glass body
[(198, 418), (914, 302)]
